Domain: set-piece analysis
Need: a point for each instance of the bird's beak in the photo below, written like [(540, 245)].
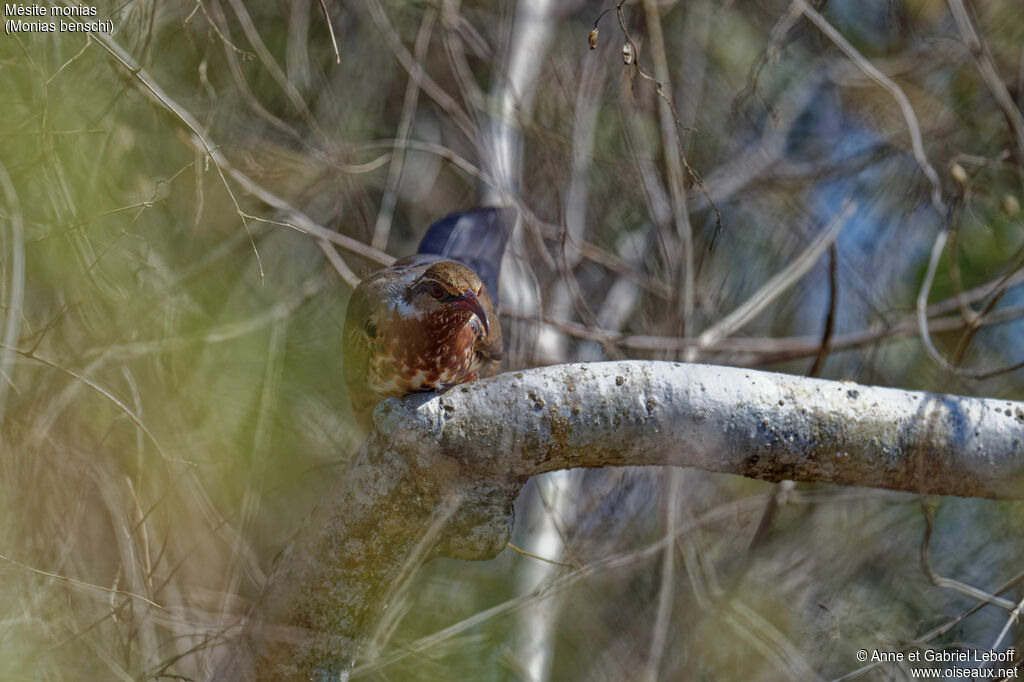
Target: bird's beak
[(469, 301)]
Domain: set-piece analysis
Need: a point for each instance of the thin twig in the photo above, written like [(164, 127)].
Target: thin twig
[(382, 226), (974, 322), (830, 317), (472, 96), (245, 54), (660, 89), (81, 583), (890, 85), (786, 348), (560, 583), (781, 282), (157, 93), (242, 87), (922, 322), (672, 146), (343, 270), (668, 577), (1010, 620), (330, 28), (986, 66), (522, 551), (949, 583), (291, 92), (16, 294), (417, 73), (32, 355)]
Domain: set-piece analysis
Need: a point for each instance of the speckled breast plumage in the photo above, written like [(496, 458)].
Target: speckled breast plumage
[(423, 354)]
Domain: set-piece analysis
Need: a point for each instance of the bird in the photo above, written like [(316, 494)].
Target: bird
[(428, 322)]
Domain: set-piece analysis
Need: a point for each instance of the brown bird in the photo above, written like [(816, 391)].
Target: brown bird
[(429, 322)]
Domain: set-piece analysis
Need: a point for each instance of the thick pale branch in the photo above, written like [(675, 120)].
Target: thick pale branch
[(441, 472), (758, 424)]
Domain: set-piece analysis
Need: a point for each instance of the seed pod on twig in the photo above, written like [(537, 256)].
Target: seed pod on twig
[(959, 174), (628, 54)]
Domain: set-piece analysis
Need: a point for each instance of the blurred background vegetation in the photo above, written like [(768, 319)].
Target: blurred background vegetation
[(170, 386)]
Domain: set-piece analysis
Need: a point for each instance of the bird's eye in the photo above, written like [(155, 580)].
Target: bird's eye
[(436, 290), (370, 328)]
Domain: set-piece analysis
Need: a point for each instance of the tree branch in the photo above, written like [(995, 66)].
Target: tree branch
[(440, 474)]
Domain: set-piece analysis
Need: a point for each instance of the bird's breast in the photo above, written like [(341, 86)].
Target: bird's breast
[(422, 353)]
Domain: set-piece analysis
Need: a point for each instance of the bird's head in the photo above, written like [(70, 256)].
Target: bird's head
[(449, 287)]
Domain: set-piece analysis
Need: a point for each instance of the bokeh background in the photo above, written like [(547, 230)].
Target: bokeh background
[(170, 388)]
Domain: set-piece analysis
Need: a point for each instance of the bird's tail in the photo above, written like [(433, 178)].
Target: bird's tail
[(476, 238)]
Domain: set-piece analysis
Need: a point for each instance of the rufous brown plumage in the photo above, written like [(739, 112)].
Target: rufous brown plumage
[(429, 322)]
